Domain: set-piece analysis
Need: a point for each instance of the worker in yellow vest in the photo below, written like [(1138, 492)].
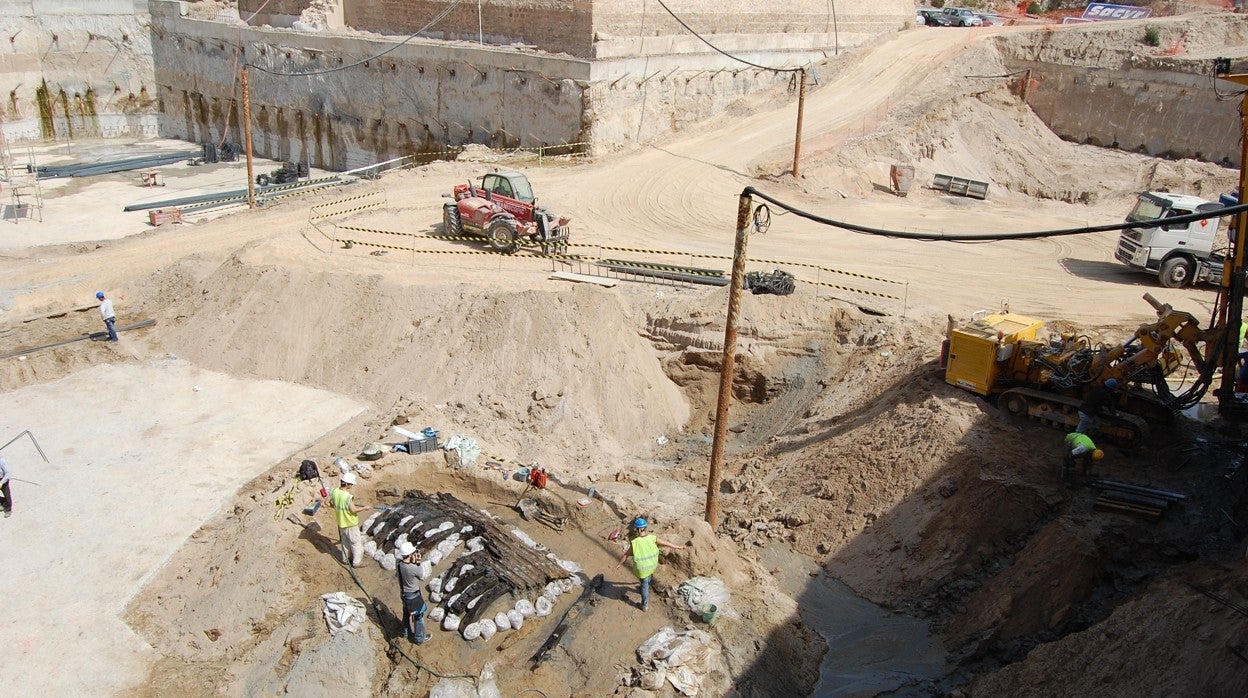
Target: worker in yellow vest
[(1080, 449), (644, 549)]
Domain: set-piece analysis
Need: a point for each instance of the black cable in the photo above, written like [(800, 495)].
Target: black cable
[(961, 237), (441, 16), (718, 49)]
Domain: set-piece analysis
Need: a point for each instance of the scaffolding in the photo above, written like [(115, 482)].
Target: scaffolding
[(25, 192)]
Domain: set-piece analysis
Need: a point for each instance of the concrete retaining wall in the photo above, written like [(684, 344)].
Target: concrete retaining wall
[(76, 70), (418, 97), (1155, 112)]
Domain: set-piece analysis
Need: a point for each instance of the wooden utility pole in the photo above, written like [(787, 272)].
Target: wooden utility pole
[(728, 363), (801, 111), (251, 179)]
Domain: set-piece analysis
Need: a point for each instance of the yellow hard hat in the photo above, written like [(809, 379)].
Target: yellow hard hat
[(1098, 454)]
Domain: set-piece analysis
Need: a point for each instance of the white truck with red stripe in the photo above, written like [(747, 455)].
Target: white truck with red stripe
[(1179, 254)]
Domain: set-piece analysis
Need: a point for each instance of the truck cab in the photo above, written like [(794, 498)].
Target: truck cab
[(1179, 254)]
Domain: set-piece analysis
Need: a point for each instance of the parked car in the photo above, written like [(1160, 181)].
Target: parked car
[(931, 17), (961, 17), (991, 20)]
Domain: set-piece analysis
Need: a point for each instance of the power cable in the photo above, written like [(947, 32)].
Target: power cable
[(721, 51), (963, 237), (440, 16)]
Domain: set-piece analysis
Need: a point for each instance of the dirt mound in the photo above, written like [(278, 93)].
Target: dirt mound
[(560, 374)]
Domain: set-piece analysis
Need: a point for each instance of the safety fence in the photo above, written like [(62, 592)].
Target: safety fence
[(872, 293)]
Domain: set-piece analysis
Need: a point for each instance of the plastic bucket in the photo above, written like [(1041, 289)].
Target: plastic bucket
[(708, 613)]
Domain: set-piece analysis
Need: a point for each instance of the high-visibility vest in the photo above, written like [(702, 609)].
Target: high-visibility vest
[(645, 555), (341, 501), (1074, 439)]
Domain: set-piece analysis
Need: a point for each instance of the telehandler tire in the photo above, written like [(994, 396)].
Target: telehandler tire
[(452, 225), (502, 235)]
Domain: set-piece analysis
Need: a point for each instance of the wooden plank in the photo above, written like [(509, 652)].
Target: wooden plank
[(583, 278), (61, 313)]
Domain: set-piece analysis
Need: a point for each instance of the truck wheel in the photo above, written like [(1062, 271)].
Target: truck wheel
[(263, 180), (502, 235), (1176, 272), (452, 226)]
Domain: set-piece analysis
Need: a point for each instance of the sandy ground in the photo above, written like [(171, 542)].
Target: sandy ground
[(847, 446), (141, 454)]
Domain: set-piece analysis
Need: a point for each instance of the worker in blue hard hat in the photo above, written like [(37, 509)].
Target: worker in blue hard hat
[(644, 549), (1098, 398), (106, 312)]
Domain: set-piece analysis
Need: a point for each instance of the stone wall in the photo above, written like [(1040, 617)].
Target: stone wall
[(615, 28), (1156, 112), (417, 98), (76, 70)]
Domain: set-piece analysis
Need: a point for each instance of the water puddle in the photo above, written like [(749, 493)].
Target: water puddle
[(870, 650)]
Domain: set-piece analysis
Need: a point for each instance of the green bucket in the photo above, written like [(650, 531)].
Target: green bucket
[(708, 613)]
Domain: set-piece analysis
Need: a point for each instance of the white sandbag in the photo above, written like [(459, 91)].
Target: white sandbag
[(446, 526), (453, 688), (576, 582), (472, 631), (566, 584), (525, 607), (501, 621), (450, 622), (651, 679), (697, 592), (431, 531), (403, 521), (435, 597), (476, 544), (370, 521), (488, 628), (377, 554), (451, 601), (543, 607), (423, 570), (466, 529), (435, 557), (552, 591), (517, 620), (466, 568), (524, 537), (656, 646), (388, 562), (435, 584), (370, 547), (449, 586), (447, 545), (569, 566), (684, 680), (437, 614), (398, 542)]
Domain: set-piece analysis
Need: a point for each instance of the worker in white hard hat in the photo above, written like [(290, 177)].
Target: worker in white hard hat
[(409, 590), (347, 513)]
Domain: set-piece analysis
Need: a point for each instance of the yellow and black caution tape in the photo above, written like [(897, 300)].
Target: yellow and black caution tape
[(663, 267), (851, 290)]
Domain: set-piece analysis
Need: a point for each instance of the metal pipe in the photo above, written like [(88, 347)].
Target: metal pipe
[(728, 362)]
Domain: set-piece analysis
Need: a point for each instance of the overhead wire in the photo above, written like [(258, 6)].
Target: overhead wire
[(720, 50), (438, 18), (966, 237)]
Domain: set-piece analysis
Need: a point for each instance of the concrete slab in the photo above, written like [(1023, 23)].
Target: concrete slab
[(141, 455), (83, 209)]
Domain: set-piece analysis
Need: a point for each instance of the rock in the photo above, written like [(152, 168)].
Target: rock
[(213, 634), (401, 419), (947, 489)]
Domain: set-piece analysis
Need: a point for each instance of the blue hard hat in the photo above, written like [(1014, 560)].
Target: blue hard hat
[(1111, 383), (99, 294), (639, 523)]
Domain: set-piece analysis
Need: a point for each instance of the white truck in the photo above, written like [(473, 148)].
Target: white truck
[(1180, 254)]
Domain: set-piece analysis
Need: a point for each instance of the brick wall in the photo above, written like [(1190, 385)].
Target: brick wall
[(556, 26)]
